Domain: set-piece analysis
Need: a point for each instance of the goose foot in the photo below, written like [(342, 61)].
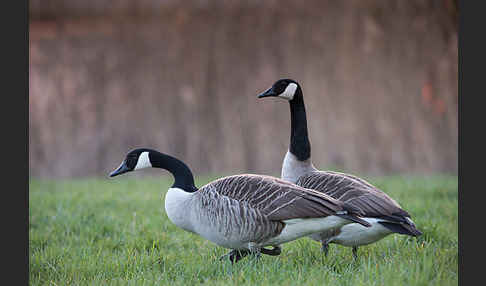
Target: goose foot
[(273, 252), (355, 252), (235, 255)]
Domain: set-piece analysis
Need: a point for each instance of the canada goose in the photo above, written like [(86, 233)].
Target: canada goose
[(385, 214), (246, 212)]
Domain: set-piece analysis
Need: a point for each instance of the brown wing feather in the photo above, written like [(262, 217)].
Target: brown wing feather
[(275, 198), (353, 190)]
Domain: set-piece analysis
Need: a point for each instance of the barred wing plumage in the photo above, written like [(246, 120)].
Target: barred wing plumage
[(277, 199), (355, 191)]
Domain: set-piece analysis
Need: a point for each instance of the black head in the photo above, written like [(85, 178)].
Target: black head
[(135, 159), (285, 88)]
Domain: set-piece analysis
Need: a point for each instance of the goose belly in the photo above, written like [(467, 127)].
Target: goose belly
[(227, 239), (233, 227), (354, 234), (296, 228)]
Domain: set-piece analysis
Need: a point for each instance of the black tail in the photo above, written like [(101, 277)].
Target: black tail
[(401, 228), (352, 213)]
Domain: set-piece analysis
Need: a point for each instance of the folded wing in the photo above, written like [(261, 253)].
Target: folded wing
[(277, 199), (355, 191)]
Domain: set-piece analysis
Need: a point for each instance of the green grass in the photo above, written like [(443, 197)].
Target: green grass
[(116, 232)]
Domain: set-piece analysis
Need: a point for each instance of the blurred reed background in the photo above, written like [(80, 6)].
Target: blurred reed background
[(379, 79)]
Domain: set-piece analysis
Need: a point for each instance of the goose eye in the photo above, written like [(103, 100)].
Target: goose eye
[(282, 86)]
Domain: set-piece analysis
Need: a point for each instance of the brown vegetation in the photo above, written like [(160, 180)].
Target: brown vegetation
[(379, 81)]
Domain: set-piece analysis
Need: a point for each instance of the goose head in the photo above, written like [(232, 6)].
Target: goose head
[(285, 88), (290, 90), (134, 160), (147, 158)]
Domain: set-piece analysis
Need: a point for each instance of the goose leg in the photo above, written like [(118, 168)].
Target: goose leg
[(254, 250), (235, 255), (273, 252), (355, 252), (256, 254), (325, 247)]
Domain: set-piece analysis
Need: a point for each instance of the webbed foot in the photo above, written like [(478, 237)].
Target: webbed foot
[(273, 252), (235, 255)]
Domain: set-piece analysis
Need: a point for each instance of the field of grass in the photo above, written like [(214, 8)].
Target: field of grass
[(116, 232)]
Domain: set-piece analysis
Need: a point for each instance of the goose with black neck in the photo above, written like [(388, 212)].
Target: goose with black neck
[(245, 213), (383, 213)]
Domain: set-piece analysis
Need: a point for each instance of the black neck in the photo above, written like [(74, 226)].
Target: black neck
[(183, 178), (299, 139)]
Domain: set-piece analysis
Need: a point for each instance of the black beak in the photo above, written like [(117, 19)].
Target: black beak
[(267, 93), (120, 170)]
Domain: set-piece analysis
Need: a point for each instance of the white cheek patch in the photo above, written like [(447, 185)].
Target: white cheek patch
[(289, 91), (143, 161)]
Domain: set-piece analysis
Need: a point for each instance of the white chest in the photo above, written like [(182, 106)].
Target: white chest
[(178, 208), (292, 168)]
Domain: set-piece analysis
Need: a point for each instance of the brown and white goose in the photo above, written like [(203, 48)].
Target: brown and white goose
[(245, 213), (381, 211)]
